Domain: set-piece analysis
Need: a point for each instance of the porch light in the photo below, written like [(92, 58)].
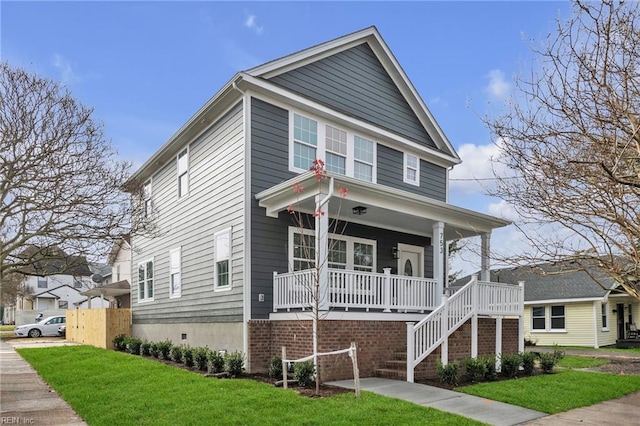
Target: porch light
[(394, 252), (359, 210)]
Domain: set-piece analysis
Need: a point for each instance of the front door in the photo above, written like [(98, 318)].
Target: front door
[(410, 260)]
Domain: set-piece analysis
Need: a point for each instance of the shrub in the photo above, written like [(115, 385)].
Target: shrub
[(510, 364), (528, 362), (233, 362), (187, 356), (475, 369), (176, 353), (489, 362), (275, 367), (133, 345), (215, 362), (200, 357), (303, 373), (164, 349), (449, 373), (119, 342), (154, 350), (145, 348), (557, 353), (547, 362)]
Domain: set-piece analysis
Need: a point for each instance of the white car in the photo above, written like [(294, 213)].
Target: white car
[(46, 327)]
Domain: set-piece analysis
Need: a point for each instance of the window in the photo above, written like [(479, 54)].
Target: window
[(222, 247), (345, 252), (411, 169), (183, 173), (42, 282), (363, 159), (305, 141), (147, 199), (304, 251), (605, 315), (557, 318), (145, 281), (175, 277), (538, 318), (63, 304), (343, 152), (336, 146)]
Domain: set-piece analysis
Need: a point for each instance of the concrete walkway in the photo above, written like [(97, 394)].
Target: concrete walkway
[(473, 407), (25, 398)]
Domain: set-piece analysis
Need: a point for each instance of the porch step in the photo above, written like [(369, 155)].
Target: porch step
[(387, 373)]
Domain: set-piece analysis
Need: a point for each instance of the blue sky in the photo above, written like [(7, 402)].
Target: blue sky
[(146, 67)]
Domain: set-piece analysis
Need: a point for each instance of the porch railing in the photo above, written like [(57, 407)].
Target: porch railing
[(475, 298), (355, 290)]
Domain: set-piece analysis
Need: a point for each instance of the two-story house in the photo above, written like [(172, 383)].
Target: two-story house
[(229, 266)]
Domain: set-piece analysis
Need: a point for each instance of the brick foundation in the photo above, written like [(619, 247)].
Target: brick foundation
[(377, 341)]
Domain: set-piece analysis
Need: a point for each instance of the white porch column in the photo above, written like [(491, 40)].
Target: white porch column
[(438, 259), (521, 318), (322, 252), (499, 342), (485, 246)]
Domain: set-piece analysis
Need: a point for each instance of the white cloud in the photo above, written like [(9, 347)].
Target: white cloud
[(251, 23), (498, 86), (503, 210), (64, 68), (476, 171)]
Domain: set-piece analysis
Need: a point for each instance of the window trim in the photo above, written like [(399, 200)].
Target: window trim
[(321, 147), (183, 153), (407, 168), (216, 287), (177, 294), (604, 316), (350, 247), (153, 277)]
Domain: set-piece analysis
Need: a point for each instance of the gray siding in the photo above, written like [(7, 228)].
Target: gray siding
[(355, 83), (214, 203), (269, 166), (391, 173)]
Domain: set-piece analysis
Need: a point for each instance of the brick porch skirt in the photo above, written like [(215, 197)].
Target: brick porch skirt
[(377, 341)]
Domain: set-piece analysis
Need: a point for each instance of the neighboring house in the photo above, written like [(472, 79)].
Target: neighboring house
[(571, 307), (57, 289), (225, 267), (101, 273), (117, 292)]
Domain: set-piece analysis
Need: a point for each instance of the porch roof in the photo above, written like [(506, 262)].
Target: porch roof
[(387, 208), (118, 288)]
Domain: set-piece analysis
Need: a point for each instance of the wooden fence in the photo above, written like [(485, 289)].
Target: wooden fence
[(97, 327)]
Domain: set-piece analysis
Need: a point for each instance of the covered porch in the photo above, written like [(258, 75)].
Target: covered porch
[(401, 276)]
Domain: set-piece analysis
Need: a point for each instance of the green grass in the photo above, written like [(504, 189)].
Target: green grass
[(106, 388), (574, 361), (555, 393), (596, 350)]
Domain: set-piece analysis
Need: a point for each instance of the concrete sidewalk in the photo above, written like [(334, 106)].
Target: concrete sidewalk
[(473, 407), (25, 398)]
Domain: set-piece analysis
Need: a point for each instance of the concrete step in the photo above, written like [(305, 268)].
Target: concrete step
[(387, 373)]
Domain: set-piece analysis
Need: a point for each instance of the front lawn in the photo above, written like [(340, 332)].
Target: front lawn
[(106, 388), (558, 392), (574, 361)]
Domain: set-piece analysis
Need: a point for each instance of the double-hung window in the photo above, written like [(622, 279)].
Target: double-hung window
[(557, 317), (145, 281), (183, 173), (42, 282), (411, 169), (538, 320), (305, 141), (363, 158), (336, 146), (175, 273), (342, 151), (147, 193), (304, 251), (222, 247), (605, 315)]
